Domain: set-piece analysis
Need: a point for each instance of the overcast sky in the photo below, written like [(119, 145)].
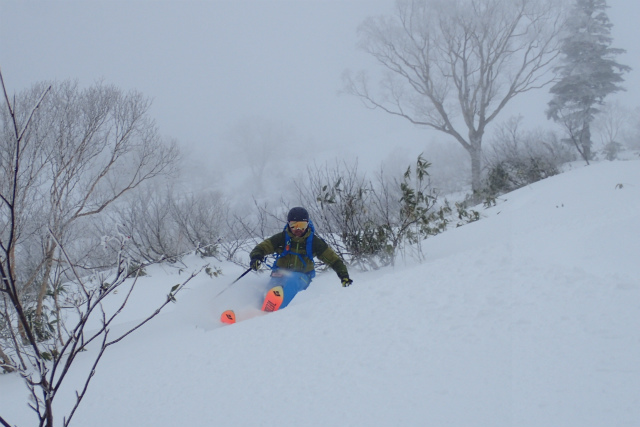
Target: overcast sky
[(209, 65)]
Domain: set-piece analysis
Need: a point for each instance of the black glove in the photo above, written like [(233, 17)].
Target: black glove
[(346, 281), (255, 263)]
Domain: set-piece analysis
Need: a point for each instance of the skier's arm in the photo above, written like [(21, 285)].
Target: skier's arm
[(267, 247), (331, 258)]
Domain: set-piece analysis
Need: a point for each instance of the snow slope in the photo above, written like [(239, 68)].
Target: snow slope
[(529, 317)]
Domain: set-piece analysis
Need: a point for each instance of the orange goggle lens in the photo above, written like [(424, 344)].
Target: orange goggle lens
[(298, 225)]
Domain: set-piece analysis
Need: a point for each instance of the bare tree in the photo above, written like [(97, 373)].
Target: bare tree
[(613, 128), (259, 143), (44, 365), (201, 219), (148, 222), (12, 199), (516, 157), (68, 161), (162, 223), (84, 150), (453, 65)]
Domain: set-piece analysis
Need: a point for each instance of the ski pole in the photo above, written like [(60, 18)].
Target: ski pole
[(241, 276), (232, 283)]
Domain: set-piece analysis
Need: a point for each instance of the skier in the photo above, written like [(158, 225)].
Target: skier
[(293, 269)]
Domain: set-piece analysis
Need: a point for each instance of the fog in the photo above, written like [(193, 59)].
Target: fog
[(217, 69)]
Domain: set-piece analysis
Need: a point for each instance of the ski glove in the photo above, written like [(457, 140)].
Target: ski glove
[(346, 281), (255, 263)]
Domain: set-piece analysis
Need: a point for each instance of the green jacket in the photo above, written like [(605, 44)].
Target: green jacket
[(291, 261)]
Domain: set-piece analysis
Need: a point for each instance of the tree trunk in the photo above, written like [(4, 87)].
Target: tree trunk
[(475, 151), (12, 258), (42, 293), (585, 141), (7, 365)]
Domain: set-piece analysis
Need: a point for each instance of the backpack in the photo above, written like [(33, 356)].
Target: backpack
[(287, 249)]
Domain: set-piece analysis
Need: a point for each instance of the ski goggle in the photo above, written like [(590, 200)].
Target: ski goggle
[(298, 225)]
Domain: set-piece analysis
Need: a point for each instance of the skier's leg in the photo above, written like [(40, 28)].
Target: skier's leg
[(273, 294), (292, 284)]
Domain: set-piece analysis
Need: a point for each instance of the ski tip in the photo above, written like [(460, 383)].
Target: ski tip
[(228, 317), (273, 299)]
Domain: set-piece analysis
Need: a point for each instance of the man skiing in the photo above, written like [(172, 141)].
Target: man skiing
[(293, 269)]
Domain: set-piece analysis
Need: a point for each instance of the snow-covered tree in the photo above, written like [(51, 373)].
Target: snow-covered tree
[(587, 74)]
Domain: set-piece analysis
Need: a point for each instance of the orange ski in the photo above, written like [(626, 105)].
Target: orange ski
[(273, 300), (228, 317)]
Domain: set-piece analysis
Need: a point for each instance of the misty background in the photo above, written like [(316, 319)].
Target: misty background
[(250, 92), (251, 89)]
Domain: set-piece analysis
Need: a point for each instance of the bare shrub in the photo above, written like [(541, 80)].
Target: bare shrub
[(517, 158)]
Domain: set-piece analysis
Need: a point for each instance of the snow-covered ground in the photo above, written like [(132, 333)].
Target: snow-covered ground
[(529, 317)]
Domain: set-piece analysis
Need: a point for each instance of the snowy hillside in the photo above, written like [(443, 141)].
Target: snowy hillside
[(529, 317)]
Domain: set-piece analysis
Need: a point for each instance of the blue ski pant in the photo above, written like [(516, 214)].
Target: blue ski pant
[(291, 282)]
